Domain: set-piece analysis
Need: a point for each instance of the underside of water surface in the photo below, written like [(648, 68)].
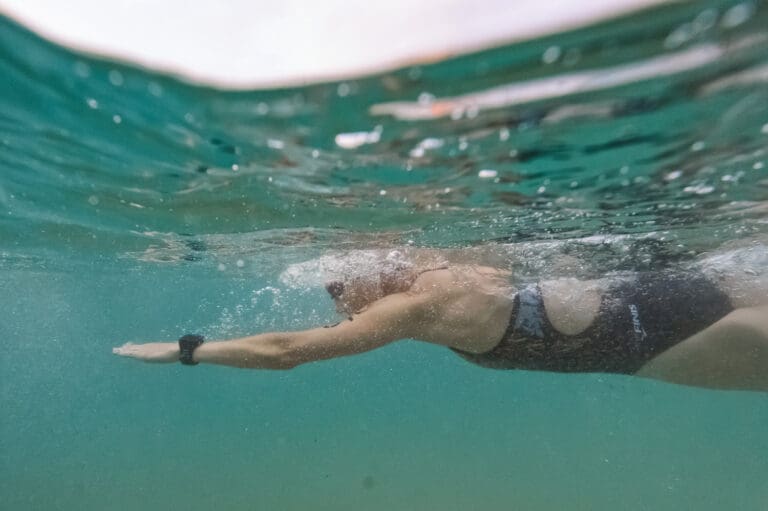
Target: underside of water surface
[(136, 207)]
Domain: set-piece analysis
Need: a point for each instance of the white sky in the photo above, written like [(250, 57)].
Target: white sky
[(251, 43)]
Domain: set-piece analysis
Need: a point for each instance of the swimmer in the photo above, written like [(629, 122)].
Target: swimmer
[(704, 325)]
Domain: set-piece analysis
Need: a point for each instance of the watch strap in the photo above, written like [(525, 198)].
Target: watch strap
[(187, 346)]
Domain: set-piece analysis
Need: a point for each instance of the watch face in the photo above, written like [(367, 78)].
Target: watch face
[(193, 340)]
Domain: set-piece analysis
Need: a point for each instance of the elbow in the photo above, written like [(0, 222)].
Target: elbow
[(283, 361), (277, 354), (285, 354), (269, 361)]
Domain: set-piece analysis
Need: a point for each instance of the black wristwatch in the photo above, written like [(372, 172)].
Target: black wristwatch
[(187, 346)]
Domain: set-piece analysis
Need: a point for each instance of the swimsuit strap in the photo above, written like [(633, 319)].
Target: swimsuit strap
[(527, 318), (512, 325), (530, 318)]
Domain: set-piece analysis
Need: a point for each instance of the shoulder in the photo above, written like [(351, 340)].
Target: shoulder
[(396, 316), (465, 307)]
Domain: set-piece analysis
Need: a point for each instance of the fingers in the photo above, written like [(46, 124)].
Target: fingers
[(126, 350)]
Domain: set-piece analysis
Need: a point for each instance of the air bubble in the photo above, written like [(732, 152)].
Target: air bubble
[(551, 55), (572, 57), (82, 69), (705, 20), (673, 175), (679, 36), (155, 89), (424, 145), (699, 189), (357, 139), (343, 90), (425, 98), (737, 14), (116, 78)]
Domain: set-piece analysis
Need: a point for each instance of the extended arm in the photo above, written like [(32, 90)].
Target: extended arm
[(394, 317)]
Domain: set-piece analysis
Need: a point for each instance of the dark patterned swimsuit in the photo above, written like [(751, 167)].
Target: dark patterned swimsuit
[(637, 320)]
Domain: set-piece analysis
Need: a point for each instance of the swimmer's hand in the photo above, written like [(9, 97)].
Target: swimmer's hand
[(156, 352)]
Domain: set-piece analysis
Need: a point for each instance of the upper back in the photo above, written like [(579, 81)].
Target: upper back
[(467, 307)]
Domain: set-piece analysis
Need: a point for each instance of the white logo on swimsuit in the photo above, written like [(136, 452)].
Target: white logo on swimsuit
[(637, 326)]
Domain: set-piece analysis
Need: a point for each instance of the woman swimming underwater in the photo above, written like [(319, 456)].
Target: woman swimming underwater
[(702, 325)]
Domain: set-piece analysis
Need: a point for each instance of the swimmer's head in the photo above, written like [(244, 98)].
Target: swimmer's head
[(355, 294)]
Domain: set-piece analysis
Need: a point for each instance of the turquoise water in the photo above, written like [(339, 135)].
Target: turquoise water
[(136, 207)]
